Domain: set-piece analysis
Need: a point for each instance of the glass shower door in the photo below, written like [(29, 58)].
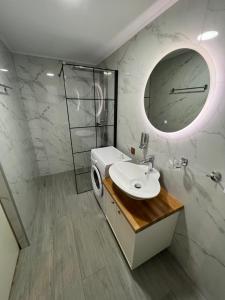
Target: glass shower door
[(91, 103)]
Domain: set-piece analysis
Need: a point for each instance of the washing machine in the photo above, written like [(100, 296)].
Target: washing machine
[(101, 160)]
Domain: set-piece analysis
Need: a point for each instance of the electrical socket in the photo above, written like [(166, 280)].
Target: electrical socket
[(132, 150)]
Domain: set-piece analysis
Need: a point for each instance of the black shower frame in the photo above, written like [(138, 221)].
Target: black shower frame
[(67, 110)]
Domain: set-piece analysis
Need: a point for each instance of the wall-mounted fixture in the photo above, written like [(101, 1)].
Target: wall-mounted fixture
[(144, 140), (215, 176), (196, 89), (5, 88), (179, 163), (184, 162)]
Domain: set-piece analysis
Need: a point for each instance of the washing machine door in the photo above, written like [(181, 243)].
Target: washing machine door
[(96, 181)]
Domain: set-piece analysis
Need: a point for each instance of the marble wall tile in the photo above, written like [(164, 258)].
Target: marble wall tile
[(46, 112), (16, 152), (45, 106), (198, 243), (9, 206)]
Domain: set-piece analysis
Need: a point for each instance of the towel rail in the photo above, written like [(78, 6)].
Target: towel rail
[(196, 89)]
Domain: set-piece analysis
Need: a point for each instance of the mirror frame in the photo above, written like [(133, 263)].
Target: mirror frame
[(209, 106)]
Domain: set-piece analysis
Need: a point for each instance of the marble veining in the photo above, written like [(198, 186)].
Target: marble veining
[(199, 241), (46, 112), (16, 152), (45, 108)]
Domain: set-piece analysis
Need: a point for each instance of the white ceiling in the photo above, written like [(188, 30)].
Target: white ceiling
[(85, 31)]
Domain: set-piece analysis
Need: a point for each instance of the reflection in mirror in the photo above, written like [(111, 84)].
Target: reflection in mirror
[(177, 90)]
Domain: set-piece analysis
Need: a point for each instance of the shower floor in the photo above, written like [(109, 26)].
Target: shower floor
[(74, 255)]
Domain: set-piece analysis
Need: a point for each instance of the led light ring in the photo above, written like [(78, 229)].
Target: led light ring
[(207, 109)]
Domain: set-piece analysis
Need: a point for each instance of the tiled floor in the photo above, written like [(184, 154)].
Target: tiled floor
[(74, 255)]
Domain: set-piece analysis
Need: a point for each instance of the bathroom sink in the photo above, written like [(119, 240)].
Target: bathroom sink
[(134, 180)]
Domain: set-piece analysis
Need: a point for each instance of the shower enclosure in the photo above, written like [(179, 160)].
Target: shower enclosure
[(91, 100)]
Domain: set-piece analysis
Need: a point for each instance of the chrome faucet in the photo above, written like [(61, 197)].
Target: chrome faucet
[(150, 161), (144, 140)]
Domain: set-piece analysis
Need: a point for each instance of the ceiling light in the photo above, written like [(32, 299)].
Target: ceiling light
[(50, 74), (4, 70), (107, 73), (208, 35)]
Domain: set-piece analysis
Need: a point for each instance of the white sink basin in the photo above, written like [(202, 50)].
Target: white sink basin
[(133, 180)]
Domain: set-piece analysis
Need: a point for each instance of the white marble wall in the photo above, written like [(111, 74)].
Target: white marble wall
[(45, 107), (16, 152), (199, 241)]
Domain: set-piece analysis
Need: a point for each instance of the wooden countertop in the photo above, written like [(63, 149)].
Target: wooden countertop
[(144, 213)]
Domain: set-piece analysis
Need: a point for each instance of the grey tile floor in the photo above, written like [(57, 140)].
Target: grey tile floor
[(73, 255)]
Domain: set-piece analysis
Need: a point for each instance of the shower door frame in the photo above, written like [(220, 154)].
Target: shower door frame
[(95, 126)]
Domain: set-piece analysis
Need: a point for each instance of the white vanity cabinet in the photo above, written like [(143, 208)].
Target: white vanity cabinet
[(138, 245), (120, 227)]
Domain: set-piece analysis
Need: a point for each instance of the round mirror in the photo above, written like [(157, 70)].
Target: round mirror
[(177, 90)]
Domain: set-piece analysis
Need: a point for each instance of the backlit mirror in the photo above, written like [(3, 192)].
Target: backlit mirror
[(177, 90)]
